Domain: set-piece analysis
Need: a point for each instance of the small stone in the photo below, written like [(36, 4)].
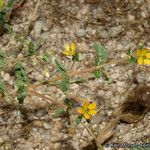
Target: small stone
[(57, 146), (6, 77), (47, 125), (114, 31), (103, 34), (1, 140), (45, 35), (2, 73), (1, 120), (11, 82), (45, 27), (85, 133), (81, 33), (74, 86), (123, 55), (83, 47), (56, 137), (101, 93), (20, 55), (38, 27), (113, 65), (57, 124), (94, 126), (115, 75), (131, 17)]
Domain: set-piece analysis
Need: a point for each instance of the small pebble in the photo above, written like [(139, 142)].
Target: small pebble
[(6, 77), (81, 33), (114, 31), (47, 125), (38, 27)]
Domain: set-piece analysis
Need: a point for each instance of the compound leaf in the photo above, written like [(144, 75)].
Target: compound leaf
[(100, 53)]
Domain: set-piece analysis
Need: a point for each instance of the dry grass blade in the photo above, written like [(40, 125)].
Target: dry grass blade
[(74, 73), (108, 131)]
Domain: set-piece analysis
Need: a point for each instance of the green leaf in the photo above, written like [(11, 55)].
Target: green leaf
[(132, 60), (58, 112), (141, 45), (129, 52), (31, 49), (2, 54), (10, 4), (60, 67), (75, 57), (97, 73), (22, 93), (46, 58), (20, 73), (5, 11), (64, 84), (78, 120), (9, 28), (100, 53), (68, 102), (21, 82), (2, 15), (2, 64), (140, 148)]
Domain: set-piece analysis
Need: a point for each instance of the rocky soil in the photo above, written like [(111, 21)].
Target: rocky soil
[(118, 25)]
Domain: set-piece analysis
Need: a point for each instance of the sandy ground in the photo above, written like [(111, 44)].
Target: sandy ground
[(118, 25)]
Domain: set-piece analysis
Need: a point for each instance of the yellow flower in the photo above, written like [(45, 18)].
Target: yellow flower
[(143, 52), (1, 3), (87, 110), (140, 61), (70, 49), (147, 61), (143, 56), (148, 55)]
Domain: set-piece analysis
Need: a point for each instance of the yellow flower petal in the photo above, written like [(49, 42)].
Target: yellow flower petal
[(144, 51), (80, 110), (73, 47), (148, 55), (92, 112), (73, 52), (92, 106), (86, 116), (140, 61), (85, 104), (146, 61), (66, 53), (138, 53), (67, 47)]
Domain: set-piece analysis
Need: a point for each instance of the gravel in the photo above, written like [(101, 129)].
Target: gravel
[(114, 31), (38, 27), (103, 34), (81, 33), (116, 25)]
